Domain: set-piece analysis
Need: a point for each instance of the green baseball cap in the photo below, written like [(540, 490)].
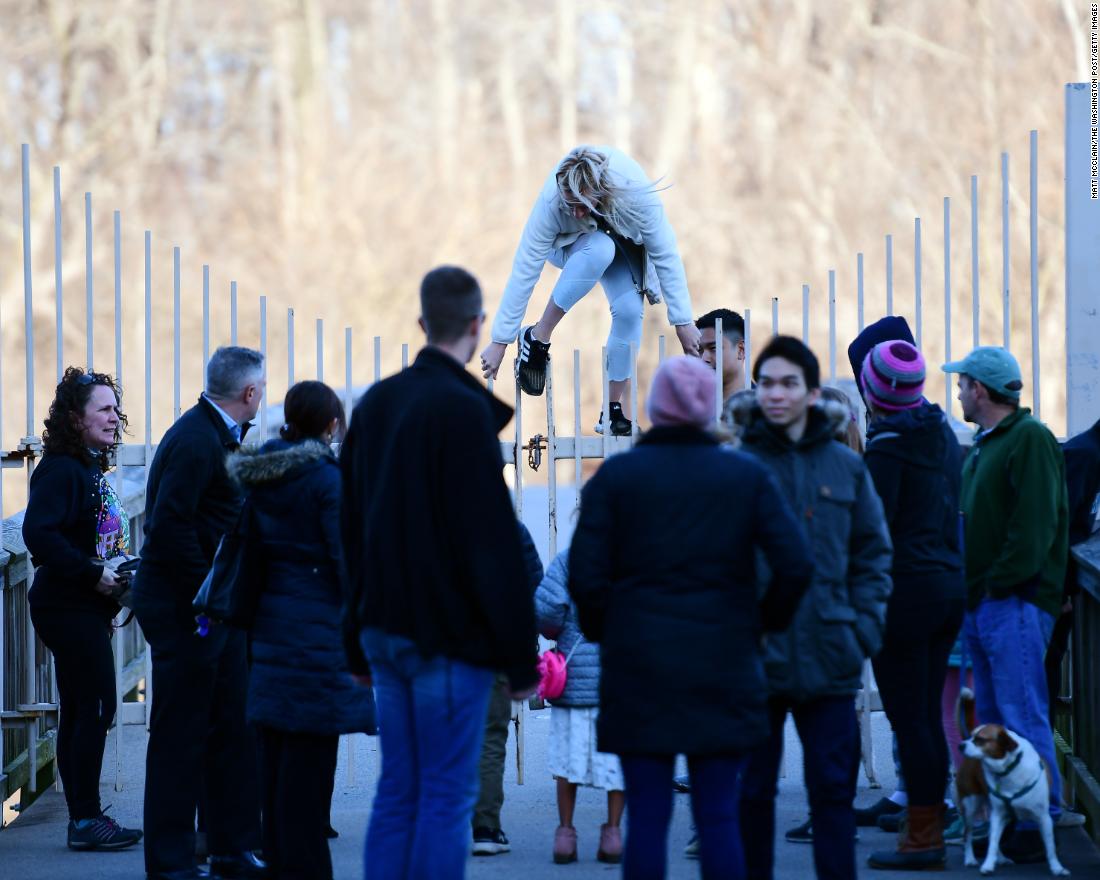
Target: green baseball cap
[(993, 366)]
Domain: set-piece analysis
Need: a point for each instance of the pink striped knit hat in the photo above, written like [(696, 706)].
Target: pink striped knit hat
[(893, 376)]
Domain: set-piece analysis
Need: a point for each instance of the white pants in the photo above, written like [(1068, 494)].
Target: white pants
[(594, 258)]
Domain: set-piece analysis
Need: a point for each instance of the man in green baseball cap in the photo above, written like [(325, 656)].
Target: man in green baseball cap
[(1016, 514)]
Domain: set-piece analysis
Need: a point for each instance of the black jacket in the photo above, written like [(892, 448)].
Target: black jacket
[(661, 571), (190, 502), (1082, 454), (840, 622), (916, 463), (431, 541), (299, 678), (60, 529)]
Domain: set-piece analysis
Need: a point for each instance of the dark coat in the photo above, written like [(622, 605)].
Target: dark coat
[(661, 571), (1082, 454), (59, 529), (431, 539), (190, 502), (916, 463), (299, 680), (840, 622)]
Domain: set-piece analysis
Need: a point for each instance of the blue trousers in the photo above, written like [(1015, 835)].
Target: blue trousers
[(431, 717), (715, 784), (591, 259), (830, 746), (1007, 640)]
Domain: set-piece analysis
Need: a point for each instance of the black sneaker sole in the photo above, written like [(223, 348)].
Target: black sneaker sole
[(107, 846)]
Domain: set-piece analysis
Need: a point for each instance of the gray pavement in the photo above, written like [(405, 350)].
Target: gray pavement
[(33, 847)]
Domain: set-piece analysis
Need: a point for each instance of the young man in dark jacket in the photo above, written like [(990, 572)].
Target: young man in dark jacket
[(198, 740), (437, 582), (814, 667), (1016, 545)]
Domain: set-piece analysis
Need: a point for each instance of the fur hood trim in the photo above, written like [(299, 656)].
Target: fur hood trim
[(253, 467), (743, 411)]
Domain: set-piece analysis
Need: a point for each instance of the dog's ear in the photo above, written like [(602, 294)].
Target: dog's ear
[(1006, 742)]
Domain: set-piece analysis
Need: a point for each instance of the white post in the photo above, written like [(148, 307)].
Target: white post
[(57, 280), (175, 333), (263, 351), (1006, 310), (552, 464), (919, 316), (889, 275), (1034, 241), (806, 315), (718, 346), (748, 348), (289, 348), (205, 318), (947, 298), (578, 473), (232, 312), (859, 293), (348, 402), (975, 271), (320, 349), (89, 274), (832, 326)]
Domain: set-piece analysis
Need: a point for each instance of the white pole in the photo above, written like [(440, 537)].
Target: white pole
[(57, 280), (118, 297), (1006, 310), (832, 325), (748, 348), (232, 312), (205, 318), (552, 465), (919, 317), (175, 333), (859, 292), (947, 297), (348, 402), (889, 275), (320, 349), (89, 274), (289, 348), (718, 346), (578, 474), (1034, 241), (263, 351), (806, 314), (975, 272)]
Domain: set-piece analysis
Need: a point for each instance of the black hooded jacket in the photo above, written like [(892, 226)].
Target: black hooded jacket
[(916, 463)]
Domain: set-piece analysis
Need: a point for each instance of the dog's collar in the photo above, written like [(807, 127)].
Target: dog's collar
[(1013, 764), (1009, 798)]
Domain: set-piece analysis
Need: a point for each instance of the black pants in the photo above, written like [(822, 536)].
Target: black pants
[(910, 670), (1056, 653), (80, 642), (298, 773), (198, 741)]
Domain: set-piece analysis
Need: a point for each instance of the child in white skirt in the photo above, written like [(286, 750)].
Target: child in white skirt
[(574, 760)]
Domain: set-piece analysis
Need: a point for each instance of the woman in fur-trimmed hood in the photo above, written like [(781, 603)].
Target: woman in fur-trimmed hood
[(301, 694)]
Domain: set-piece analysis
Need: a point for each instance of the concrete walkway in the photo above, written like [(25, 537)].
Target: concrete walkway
[(33, 847)]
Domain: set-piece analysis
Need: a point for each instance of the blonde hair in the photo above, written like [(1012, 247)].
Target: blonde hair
[(583, 178), (850, 434)]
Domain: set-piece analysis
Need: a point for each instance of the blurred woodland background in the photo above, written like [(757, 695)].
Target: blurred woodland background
[(325, 153)]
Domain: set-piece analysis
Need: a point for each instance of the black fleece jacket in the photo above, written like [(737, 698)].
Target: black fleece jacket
[(430, 538)]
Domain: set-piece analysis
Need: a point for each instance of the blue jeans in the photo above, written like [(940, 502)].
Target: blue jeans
[(715, 792), (594, 258), (1007, 639), (431, 717), (830, 746)]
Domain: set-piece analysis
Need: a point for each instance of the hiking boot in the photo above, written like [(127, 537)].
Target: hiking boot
[(531, 363), (102, 832), (611, 845), (867, 817), (920, 846), (621, 426), (803, 833), (692, 848), (488, 842), (565, 845)]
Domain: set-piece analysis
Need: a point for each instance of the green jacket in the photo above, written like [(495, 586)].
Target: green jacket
[(1017, 515)]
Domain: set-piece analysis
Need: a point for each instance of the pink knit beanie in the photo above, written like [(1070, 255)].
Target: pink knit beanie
[(682, 393)]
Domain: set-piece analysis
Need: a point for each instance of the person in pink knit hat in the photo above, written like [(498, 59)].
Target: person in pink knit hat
[(657, 570)]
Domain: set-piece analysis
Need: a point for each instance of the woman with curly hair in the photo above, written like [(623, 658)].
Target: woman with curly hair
[(74, 523)]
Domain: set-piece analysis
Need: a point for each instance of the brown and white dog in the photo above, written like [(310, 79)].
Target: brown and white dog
[(1003, 770)]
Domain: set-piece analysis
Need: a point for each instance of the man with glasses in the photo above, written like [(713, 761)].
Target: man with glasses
[(599, 219)]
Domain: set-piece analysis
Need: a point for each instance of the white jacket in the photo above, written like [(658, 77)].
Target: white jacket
[(551, 226)]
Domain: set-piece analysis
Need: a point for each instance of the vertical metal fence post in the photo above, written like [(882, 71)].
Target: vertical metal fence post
[(947, 299), (634, 391), (859, 293), (148, 432), (748, 348), (232, 312), (348, 402), (917, 293), (377, 358), (660, 349), (832, 325), (116, 643), (1006, 310), (89, 275), (890, 275), (719, 344), (28, 321), (289, 348), (320, 349), (775, 316), (58, 283), (605, 407), (175, 333), (1034, 241), (552, 465), (117, 218), (205, 319), (263, 351), (805, 315), (404, 355), (975, 269), (578, 473), (517, 445)]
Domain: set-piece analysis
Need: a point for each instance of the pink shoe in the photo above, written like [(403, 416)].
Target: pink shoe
[(565, 845), (611, 845)]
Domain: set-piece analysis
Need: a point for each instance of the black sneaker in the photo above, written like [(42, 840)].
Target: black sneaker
[(531, 363), (867, 817), (102, 832), (490, 843), (803, 833), (621, 426)]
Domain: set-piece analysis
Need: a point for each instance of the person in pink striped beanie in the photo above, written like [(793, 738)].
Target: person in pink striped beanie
[(893, 376)]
